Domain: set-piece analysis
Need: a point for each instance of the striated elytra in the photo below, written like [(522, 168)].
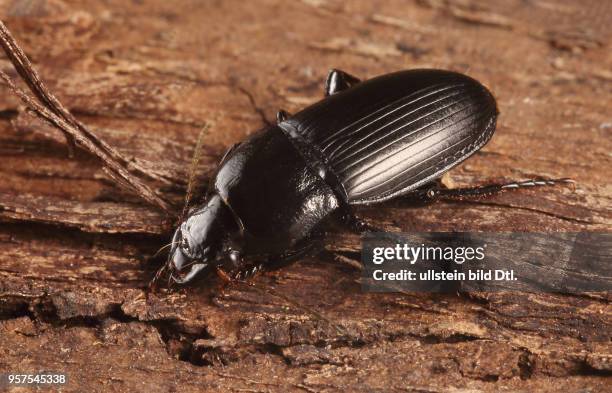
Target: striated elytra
[(364, 143)]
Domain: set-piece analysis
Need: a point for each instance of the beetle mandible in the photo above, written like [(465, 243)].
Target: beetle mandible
[(364, 143)]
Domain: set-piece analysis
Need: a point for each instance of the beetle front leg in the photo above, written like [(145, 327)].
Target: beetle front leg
[(339, 80), (223, 275), (436, 192)]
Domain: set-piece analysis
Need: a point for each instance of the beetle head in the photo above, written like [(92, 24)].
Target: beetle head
[(199, 241)]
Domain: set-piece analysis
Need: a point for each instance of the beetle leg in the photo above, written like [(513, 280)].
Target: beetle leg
[(435, 193), (223, 275), (225, 281), (281, 116), (337, 81)]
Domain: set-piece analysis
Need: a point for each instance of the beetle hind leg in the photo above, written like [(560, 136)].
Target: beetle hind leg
[(436, 192), (338, 81)]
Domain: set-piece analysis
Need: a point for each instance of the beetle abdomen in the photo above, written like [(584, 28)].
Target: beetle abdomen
[(391, 134)]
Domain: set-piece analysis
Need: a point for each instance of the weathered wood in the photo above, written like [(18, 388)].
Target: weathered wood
[(76, 251)]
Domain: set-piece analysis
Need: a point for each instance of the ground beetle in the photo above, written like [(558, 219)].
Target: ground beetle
[(364, 143)]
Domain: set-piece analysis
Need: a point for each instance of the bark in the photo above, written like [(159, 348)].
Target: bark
[(76, 251)]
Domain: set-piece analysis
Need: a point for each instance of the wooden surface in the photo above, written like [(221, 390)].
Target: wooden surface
[(75, 250)]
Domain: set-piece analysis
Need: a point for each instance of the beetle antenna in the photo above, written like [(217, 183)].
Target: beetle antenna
[(160, 272), (169, 281), (195, 160), (163, 248)]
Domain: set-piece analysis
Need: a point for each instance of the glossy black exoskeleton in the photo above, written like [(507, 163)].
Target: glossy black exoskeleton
[(364, 143)]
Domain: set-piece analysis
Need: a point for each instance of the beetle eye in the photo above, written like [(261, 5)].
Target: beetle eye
[(234, 256)]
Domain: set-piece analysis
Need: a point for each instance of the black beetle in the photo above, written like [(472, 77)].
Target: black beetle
[(364, 143)]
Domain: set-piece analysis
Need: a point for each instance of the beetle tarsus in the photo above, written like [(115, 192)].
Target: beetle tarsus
[(338, 80)]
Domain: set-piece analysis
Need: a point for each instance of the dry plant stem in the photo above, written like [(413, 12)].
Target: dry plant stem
[(32, 79), (76, 133), (21, 63)]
